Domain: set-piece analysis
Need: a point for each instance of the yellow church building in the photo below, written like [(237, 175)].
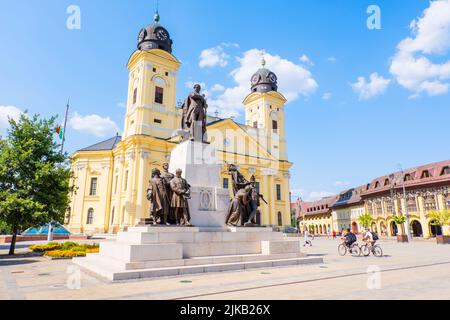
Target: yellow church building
[(111, 177)]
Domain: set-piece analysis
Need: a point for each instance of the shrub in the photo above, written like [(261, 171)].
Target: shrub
[(69, 244), (93, 250), (65, 254), (46, 247)]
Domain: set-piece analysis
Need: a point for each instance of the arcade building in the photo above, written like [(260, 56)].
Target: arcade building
[(111, 177)]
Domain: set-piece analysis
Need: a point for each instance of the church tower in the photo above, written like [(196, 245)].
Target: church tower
[(153, 70), (264, 111)]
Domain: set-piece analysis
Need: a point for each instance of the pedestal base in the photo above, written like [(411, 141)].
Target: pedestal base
[(149, 251)]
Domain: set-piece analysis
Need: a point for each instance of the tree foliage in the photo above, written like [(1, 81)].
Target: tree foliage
[(365, 220), (34, 175), (440, 217), (399, 220)]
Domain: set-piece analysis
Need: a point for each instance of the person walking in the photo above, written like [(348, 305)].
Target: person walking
[(307, 240), (334, 234)]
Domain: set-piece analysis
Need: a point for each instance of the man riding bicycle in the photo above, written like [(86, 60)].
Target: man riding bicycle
[(349, 238), (368, 238)]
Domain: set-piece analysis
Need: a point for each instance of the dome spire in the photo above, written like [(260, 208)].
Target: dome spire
[(156, 17), (263, 59)]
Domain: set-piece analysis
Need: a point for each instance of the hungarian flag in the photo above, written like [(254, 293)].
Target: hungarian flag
[(60, 131)]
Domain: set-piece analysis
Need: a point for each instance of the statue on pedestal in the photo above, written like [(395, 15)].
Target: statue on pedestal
[(194, 115), (167, 177), (159, 199), (245, 207), (180, 196)]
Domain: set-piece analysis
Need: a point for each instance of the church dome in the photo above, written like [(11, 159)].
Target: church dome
[(264, 80), (155, 36)]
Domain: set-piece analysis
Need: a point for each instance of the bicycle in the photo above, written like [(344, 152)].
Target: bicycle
[(354, 249), (376, 250)]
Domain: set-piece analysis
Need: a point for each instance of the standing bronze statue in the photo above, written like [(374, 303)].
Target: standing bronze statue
[(244, 209), (159, 199), (237, 179), (180, 196), (167, 177), (194, 115)]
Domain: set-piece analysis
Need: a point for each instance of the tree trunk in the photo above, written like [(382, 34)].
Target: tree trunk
[(13, 242)]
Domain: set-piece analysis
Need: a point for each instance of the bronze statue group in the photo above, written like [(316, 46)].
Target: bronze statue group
[(169, 194)]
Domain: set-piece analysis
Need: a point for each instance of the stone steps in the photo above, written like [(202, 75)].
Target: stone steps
[(109, 269)]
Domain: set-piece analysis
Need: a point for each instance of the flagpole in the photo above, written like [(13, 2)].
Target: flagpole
[(65, 125), (50, 225)]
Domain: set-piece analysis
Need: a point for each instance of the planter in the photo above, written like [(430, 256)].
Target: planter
[(402, 238), (443, 239)]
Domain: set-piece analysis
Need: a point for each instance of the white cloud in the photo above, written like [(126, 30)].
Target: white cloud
[(294, 81), (212, 57), (317, 195), (305, 59), (217, 88), (369, 89), (430, 36), (93, 124), (342, 183), (7, 112), (332, 59), (327, 96)]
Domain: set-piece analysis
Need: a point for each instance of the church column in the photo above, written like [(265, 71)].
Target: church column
[(141, 187)]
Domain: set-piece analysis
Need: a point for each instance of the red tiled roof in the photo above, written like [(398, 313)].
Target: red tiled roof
[(416, 173)]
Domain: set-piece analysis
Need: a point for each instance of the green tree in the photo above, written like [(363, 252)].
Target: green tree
[(34, 176), (399, 220), (440, 218), (365, 220)]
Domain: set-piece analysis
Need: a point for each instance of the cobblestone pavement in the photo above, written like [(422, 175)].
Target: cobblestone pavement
[(419, 270)]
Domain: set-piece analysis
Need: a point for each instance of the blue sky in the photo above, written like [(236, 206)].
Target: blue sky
[(360, 103)]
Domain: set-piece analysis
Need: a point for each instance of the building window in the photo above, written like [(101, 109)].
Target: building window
[(412, 205), (90, 216), (377, 185), (225, 183), (445, 170), (430, 203), (167, 74), (425, 174), (386, 182), (157, 121), (159, 95), (154, 69), (278, 192), (280, 219), (125, 186), (257, 186), (255, 124), (93, 190), (407, 177), (135, 96), (115, 184), (275, 126)]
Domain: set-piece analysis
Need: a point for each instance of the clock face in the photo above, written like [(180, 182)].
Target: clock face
[(161, 34), (142, 35), (255, 79), (272, 77)]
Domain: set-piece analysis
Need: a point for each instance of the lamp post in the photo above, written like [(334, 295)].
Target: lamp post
[(408, 226)]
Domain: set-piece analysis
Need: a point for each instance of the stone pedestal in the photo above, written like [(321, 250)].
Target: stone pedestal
[(153, 251), (209, 203)]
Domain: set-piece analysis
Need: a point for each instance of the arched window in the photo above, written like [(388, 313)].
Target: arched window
[(280, 219), (425, 174), (386, 182), (90, 216), (159, 90), (377, 185), (445, 170), (407, 177)]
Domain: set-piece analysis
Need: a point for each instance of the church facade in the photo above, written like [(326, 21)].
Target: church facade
[(111, 177)]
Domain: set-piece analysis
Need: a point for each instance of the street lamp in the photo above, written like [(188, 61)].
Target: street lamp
[(408, 226)]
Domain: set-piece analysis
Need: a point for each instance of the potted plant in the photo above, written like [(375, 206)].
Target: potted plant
[(365, 220), (400, 221), (441, 218)]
